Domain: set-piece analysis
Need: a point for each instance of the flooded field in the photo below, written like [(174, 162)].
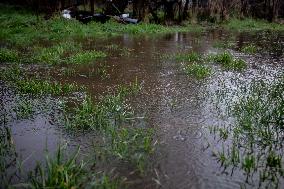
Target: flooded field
[(195, 127)]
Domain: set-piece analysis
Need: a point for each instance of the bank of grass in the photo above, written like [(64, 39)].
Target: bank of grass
[(249, 24), (188, 57), (24, 28)]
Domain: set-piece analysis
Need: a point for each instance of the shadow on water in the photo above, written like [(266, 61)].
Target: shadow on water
[(177, 106)]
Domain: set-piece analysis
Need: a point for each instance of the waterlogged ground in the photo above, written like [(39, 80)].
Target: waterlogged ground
[(190, 117)]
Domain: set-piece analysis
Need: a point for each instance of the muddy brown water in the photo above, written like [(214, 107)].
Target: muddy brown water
[(174, 104)]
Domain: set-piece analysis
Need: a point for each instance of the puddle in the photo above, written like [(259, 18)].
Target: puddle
[(177, 106)]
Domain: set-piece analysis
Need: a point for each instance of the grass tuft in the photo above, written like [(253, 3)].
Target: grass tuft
[(189, 57), (197, 70), (85, 57), (249, 49), (227, 60), (8, 55)]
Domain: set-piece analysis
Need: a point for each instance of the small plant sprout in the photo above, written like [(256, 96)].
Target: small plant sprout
[(249, 49)]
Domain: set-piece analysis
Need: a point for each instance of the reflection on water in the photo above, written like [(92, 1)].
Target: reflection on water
[(178, 106)]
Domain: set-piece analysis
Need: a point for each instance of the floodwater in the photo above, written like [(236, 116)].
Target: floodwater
[(177, 106)]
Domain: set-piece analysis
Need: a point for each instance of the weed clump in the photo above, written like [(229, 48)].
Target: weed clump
[(85, 57), (197, 70), (249, 49), (35, 86), (67, 171), (227, 60), (189, 57), (60, 171), (8, 55), (192, 64)]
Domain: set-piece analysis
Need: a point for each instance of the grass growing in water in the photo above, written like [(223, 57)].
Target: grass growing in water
[(15, 77), (133, 145), (188, 57), (249, 49), (192, 64), (256, 142), (128, 143), (34, 86), (85, 57), (60, 171), (227, 60), (66, 171), (8, 155), (69, 53), (197, 70), (24, 109)]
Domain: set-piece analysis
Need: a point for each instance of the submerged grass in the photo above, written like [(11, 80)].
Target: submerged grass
[(66, 53), (255, 137), (8, 155), (127, 143), (15, 77)]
